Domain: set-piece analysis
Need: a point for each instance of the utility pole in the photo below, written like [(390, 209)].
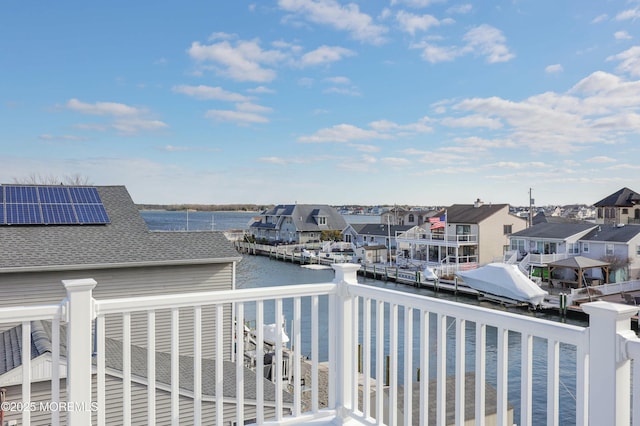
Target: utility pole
[(530, 209)]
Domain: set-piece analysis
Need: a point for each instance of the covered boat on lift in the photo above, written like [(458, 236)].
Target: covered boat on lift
[(504, 281)]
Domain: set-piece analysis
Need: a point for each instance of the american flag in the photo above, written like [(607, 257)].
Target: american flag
[(437, 222)]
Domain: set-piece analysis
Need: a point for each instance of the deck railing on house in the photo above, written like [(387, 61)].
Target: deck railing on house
[(525, 360)]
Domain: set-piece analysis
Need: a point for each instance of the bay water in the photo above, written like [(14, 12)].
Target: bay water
[(260, 271)]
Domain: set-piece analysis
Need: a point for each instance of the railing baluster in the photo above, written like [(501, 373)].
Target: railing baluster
[(101, 356), (260, 360), (55, 370), (502, 375), (441, 374), (366, 356), (582, 387), (239, 357), (481, 358), (526, 377), (26, 370), (175, 366), (424, 367), (296, 357), (314, 354), (380, 362), (219, 380), (355, 315), (408, 365), (331, 351), (126, 368), (553, 381), (151, 368), (197, 365), (393, 364), (460, 371), (278, 357)]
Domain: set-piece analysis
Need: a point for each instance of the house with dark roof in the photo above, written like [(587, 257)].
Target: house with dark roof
[(621, 207), (462, 236), (370, 234), (54, 233), (297, 223), (545, 243)]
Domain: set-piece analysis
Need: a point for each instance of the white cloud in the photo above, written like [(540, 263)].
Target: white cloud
[(209, 93), (600, 18), (338, 80), (244, 61), (461, 9), (324, 55), (251, 107), (553, 69), (436, 54), (261, 90), (622, 35), (600, 159), (630, 61), (239, 117), (341, 17), (418, 4), (342, 133), (64, 138), (102, 108), (395, 161), (411, 23), (473, 120), (342, 91), (365, 148), (625, 15), (126, 119), (488, 41)]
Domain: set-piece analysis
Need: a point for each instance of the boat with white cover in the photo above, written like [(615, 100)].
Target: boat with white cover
[(505, 281)]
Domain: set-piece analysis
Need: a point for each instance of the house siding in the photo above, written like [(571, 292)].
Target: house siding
[(46, 288), (491, 236)]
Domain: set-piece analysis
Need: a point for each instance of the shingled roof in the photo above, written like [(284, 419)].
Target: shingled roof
[(469, 213), (125, 241), (304, 217), (622, 198), (552, 230)]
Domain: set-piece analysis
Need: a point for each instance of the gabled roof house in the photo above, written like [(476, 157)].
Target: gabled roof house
[(54, 233), (296, 223), (621, 207), (462, 236)]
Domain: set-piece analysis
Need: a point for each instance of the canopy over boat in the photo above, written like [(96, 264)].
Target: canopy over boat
[(504, 280)]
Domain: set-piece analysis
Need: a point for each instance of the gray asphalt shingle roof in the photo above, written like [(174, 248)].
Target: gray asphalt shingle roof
[(621, 198), (613, 233), (126, 240), (468, 213), (304, 217), (379, 229), (558, 231)]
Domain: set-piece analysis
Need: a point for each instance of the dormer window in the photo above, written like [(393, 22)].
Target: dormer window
[(322, 220)]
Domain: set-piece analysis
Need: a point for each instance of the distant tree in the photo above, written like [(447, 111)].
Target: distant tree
[(38, 179), (331, 236)]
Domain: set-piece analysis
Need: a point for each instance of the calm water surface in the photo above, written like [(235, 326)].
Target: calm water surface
[(259, 271)]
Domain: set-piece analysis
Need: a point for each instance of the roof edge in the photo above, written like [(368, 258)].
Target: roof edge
[(81, 267)]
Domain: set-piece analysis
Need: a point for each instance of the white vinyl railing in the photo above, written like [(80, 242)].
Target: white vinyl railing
[(446, 341)]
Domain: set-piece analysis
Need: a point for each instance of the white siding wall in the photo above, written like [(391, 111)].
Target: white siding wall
[(42, 288)]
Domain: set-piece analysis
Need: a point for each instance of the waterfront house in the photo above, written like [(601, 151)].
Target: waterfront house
[(407, 217), (621, 207), (366, 234), (619, 245), (55, 233), (462, 236), (297, 224)]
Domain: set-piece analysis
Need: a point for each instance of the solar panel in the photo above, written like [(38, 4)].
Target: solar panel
[(23, 214), (51, 205)]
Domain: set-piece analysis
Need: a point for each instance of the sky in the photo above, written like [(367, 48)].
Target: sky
[(418, 102)]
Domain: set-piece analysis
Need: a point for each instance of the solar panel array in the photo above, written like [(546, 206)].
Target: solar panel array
[(51, 205)]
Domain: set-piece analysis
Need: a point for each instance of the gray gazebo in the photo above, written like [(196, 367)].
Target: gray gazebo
[(578, 264)]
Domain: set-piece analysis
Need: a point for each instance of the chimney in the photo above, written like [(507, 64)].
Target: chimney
[(478, 203)]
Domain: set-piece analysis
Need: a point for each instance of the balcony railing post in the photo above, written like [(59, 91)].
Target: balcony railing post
[(79, 317), (345, 341), (609, 370)]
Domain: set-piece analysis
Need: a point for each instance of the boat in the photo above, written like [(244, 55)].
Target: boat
[(504, 281)]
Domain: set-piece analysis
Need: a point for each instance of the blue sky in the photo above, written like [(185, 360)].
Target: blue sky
[(419, 102)]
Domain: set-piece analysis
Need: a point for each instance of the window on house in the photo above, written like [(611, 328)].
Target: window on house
[(463, 229), (608, 249), (507, 229), (638, 250), (625, 211), (585, 247), (573, 248), (411, 218), (322, 220)]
